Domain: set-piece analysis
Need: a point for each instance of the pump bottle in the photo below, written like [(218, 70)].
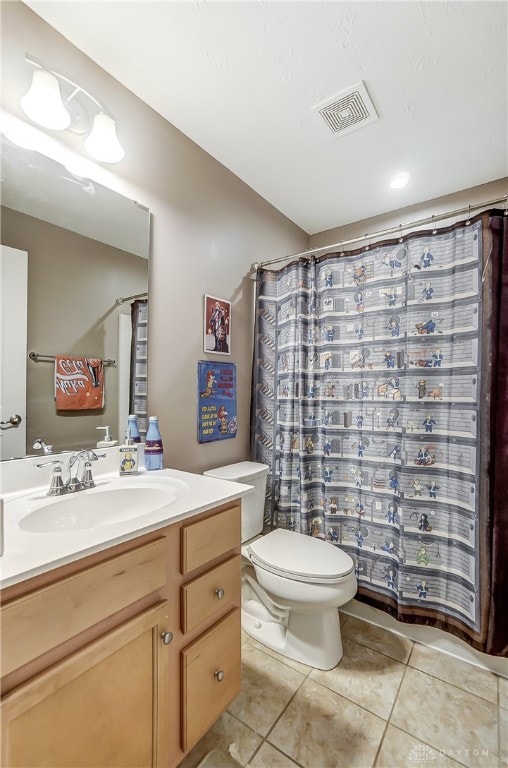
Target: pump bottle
[(128, 456)]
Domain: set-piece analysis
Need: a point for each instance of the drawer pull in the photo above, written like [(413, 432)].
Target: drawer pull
[(219, 593), (219, 675), (166, 637)]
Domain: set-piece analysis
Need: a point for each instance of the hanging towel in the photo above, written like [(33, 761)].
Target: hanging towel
[(79, 383)]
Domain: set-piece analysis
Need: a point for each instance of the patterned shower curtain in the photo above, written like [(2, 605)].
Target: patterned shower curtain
[(378, 391), (138, 393)]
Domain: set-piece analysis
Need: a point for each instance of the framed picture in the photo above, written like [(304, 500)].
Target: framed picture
[(217, 326), (217, 419)]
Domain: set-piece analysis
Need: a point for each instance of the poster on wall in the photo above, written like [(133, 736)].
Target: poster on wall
[(216, 401), (217, 326)]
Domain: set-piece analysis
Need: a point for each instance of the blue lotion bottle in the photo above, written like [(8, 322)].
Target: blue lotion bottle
[(154, 457), (132, 424)]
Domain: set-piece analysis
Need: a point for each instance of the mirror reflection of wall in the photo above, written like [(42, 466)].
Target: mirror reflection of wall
[(74, 282)]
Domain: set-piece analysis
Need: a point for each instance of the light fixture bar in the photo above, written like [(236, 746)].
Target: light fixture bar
[(77, 88)]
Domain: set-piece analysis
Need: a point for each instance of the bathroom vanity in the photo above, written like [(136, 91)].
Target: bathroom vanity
[(125, 656)]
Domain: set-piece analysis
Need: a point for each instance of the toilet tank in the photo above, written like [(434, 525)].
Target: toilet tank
[(253, 505)]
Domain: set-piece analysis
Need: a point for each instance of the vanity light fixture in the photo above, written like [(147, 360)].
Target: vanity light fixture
[(102, 143), (399, 181), (56, 102), (43, 103)]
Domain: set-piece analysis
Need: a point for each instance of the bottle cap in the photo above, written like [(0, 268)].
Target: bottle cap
[(153, 418), (128, 438)]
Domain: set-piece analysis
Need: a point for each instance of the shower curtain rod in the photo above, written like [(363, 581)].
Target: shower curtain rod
[(389, 231), (122, 300)]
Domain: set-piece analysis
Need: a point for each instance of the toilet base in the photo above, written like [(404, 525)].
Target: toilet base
[(312, 639)]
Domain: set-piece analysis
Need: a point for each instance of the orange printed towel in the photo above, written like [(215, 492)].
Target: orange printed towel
[(79, 383)]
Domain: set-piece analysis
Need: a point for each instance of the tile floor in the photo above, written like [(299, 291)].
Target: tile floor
[(390, 703)]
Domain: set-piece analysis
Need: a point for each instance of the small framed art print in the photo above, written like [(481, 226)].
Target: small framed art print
[(217, 326)]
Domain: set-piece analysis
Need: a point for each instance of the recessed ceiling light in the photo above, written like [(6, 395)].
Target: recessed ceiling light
[(399, 181)]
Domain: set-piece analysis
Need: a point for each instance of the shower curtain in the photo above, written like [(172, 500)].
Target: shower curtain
[(379, 404), (138, 392)]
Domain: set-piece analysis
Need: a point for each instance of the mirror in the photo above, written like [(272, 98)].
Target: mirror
[(87, 248)]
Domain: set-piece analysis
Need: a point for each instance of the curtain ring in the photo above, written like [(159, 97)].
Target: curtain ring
[(401, 239), (506, 205), (468, 220), (434, 230)]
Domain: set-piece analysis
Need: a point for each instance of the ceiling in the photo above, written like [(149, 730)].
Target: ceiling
[(242, 80)]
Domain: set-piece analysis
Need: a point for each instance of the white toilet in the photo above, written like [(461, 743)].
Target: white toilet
[(292, 584)]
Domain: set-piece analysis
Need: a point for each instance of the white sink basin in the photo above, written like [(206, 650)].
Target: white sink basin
[(109, 503)]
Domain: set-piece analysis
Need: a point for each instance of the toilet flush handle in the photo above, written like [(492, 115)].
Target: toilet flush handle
[(219, 593)]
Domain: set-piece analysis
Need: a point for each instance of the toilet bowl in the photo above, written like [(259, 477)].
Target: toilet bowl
[(292, 584)]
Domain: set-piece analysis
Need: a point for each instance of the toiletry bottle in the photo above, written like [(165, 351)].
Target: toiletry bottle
[(107, 440), (128, 456), (153, 445), (132, 423)]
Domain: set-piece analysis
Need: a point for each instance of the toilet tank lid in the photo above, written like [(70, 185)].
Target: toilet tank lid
[(301, 555), (239, 472)]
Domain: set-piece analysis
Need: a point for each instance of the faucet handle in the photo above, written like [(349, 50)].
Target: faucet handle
[(57, 487), (87, 480), (46, 463)]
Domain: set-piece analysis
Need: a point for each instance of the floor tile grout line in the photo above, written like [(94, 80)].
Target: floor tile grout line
[(454, 685), (376, 650), (388, 720), (431, 746), (437, 749), (265, 737), (287, 705)]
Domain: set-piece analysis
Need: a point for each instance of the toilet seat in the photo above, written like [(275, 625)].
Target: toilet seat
[(300, 558)]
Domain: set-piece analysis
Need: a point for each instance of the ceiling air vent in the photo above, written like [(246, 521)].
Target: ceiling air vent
[(348, 110)]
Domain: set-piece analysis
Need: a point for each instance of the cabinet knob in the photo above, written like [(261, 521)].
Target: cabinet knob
[(166, 637), (219, 593), (219, 675)]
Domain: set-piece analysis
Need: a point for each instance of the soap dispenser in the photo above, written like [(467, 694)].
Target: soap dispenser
[(128, 456), (107, 440)]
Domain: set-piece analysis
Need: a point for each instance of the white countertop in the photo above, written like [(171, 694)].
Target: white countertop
[(28, 553)]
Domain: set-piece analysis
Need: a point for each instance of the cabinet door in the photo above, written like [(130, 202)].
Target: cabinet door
[(105, 705), (211, 674)]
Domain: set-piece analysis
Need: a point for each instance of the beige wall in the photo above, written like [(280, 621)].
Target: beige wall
[(208, 227), (407, 215), (73, 284)]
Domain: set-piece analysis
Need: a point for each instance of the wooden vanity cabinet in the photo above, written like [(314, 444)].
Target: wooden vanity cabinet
[(104, 705), (105, 661), (211, 663)]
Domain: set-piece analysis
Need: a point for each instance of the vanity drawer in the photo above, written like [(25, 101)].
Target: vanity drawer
[(217, 589), (211, 674), (45, 618), (207, 539)]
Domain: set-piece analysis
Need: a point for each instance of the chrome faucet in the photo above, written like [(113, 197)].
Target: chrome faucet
[(57, 487), (73, 484), (86, 481), (39, 443)]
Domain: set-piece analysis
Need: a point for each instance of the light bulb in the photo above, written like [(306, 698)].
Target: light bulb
[(43, 102), (399, 181), (102, 143)]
